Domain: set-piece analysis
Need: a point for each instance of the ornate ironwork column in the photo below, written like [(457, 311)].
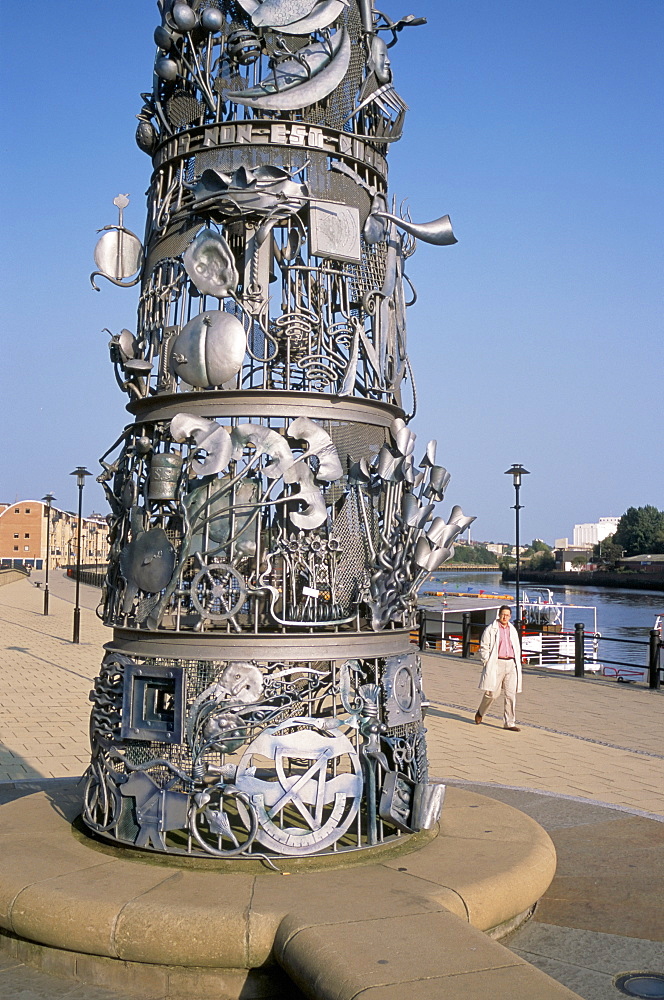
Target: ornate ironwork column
[(269, 524)]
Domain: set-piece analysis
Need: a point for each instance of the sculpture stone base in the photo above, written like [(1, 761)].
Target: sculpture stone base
[(138, 922)]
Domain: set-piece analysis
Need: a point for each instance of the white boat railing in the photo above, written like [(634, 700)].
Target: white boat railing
[(556, 650)]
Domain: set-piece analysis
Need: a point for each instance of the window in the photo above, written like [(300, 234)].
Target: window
[(16, 548), (26, 548), (17, 510), (16, 534), (27, 534), (27, 510)]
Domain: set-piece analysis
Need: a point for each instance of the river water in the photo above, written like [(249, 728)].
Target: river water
[(621, 614)]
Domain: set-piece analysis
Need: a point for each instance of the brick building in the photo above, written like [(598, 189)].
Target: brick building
[(23, 536)]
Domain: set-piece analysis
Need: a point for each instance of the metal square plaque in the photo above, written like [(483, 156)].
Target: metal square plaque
[(153, 703), (335, 231)]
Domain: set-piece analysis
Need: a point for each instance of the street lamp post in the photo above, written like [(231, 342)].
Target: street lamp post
[(81, 472), (516, 472), (48, 500)]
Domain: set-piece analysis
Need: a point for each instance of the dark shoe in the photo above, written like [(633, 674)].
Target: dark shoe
[(512, 729), (478, 719)]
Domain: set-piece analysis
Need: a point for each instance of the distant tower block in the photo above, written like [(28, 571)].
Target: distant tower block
[(269, 525)]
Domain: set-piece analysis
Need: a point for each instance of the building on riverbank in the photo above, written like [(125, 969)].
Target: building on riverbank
[(568, 557), (651, 564), (589, 534), (620, 579), (23, 531)]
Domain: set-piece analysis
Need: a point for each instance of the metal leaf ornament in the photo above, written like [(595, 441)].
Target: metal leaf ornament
[(321, 445), (264, 440), (294, 17), (206, 435), (260, 191)]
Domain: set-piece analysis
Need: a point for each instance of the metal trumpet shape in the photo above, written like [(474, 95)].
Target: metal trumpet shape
[(439, 232)]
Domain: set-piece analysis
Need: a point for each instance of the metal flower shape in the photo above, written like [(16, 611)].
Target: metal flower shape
[(439, 477), (404, 438), (458, 517), (413, 513), (429, 458), (390, 467)]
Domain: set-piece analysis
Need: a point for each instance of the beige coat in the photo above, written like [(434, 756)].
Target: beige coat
[(489, 655)]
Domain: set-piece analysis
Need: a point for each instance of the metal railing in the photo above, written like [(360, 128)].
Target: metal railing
[(92, 575), (651, 648), (586, 652), (579, 648)]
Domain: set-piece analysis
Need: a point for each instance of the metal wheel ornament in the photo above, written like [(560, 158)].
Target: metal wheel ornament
[(211, 824), (218, 592), (313, 792)]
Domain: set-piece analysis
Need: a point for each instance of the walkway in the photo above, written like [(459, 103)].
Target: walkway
[(588, 765), (589, 738), (45, 679)]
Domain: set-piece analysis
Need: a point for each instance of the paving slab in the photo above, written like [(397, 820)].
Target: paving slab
[(587, 765), (46, 678), (587, 930), (587, 738)]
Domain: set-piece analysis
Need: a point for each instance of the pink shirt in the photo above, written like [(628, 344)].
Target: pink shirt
[(505, 649)]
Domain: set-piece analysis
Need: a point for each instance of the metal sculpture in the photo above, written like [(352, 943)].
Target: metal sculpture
[(269, 526)]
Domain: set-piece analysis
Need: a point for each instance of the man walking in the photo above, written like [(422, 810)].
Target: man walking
[(501, 658)]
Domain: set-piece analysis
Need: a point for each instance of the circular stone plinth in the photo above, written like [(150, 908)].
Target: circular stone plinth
[(121, 910)]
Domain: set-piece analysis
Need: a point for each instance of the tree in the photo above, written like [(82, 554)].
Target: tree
[(537, 545), (475, 554), (539, 555), (579, 561), (640, 531), (543, 559), (606, 553)]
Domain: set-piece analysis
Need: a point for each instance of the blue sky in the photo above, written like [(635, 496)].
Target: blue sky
[(536, 339)]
